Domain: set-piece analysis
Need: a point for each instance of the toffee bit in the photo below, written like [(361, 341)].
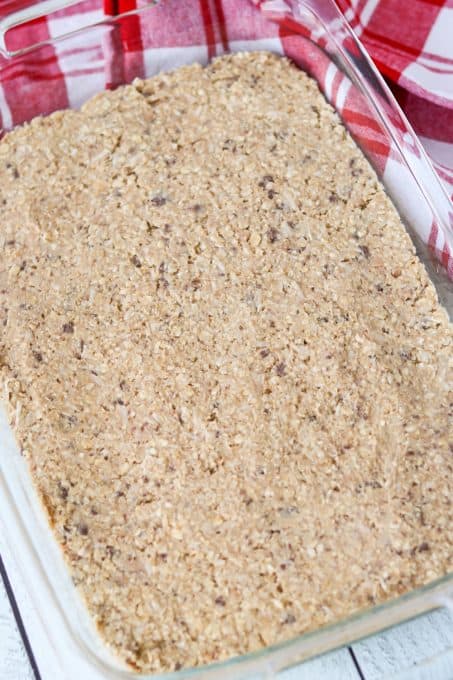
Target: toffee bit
[(265, 180), (289, 619), (264, 353), (63, 491), (272, 235), (281, 369), (38, 356), (423, 547), (82, 528), (162, 283), (355, 172), (136, 261), (14, 170), (229, 145), (220, 601), (158, 201), (68, 327)]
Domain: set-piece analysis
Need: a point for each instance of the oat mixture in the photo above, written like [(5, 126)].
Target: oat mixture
[(223, 361)]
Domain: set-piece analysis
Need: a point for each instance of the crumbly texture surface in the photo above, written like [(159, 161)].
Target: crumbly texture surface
[(224, 362)]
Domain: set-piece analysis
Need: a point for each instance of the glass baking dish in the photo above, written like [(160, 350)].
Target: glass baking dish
[(96, 51)]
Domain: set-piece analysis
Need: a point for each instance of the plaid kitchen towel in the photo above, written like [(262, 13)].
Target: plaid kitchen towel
[(411, 43)]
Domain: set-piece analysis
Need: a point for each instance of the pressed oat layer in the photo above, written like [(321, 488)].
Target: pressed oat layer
[(223, 361)]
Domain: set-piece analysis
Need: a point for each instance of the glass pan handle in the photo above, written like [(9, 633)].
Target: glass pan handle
[(23, 16)]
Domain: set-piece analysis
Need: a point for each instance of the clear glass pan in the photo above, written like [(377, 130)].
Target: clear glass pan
[(316, 36)]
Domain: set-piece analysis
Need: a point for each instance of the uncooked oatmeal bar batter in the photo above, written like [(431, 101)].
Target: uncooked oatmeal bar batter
[(223, 361)]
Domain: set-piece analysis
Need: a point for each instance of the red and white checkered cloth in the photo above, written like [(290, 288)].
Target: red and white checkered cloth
[(411, 43)]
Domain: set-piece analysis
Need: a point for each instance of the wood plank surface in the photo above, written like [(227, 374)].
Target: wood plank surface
[(14, 664), (418, 646)]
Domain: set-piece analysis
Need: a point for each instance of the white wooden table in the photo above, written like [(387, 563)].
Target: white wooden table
[(418, 650)]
